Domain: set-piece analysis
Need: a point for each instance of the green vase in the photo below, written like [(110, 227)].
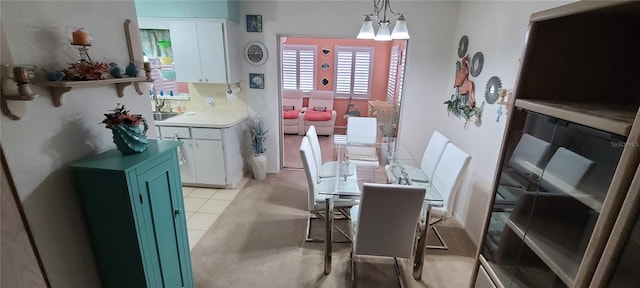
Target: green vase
[(130, 139)]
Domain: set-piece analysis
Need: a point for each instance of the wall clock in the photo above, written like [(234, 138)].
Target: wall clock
[(255, 53)]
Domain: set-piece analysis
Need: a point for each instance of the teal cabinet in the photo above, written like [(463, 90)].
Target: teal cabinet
[(135, 214)]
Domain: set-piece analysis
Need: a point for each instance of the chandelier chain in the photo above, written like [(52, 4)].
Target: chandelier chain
[(383, 5)]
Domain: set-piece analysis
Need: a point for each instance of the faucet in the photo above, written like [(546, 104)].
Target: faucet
[(159, 104)]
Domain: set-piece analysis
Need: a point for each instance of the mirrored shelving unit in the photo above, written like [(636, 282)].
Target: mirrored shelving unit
[(569, 154)]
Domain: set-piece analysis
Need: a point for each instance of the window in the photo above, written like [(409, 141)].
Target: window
[(353, 71), (298, 63)]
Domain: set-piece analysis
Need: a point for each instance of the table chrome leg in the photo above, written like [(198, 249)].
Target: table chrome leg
[(328, 240), (418, 259)]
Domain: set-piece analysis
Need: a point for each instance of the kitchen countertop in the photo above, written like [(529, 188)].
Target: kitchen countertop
[(204, 119)]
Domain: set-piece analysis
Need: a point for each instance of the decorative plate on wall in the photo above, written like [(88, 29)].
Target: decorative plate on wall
[(326, 51), (325, 66), (492, 90), (463, 45), (324, 82), (476, 64)]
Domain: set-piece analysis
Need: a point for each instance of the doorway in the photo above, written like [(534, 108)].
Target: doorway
[(360, 73)]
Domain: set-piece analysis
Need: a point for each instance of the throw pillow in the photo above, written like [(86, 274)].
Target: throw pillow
[(320, 108)]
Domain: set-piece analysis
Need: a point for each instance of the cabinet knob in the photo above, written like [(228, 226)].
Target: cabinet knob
[(200, 80), (178, 212), (206, 80)]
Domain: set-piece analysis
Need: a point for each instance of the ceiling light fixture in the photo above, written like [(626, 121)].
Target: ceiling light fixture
[(380, 10)]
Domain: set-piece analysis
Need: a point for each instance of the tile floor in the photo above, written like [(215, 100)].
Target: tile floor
[(203, 206)]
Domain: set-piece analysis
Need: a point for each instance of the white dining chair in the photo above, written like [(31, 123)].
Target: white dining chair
[(315, 186), (326, 169), (362, 133), (446, 180), (430, 159), (386, 222)]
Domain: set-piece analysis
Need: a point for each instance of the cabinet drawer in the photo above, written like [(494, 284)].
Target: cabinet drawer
[(167, 132), (207, 133)]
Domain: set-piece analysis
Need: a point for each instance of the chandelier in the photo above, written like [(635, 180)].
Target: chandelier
[(382, 10)]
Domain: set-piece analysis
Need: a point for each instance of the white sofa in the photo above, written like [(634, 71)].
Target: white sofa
[(292, 112)]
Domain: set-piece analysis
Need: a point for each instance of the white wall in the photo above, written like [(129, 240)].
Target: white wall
[(432, 27), (497, 29), (41, 145)]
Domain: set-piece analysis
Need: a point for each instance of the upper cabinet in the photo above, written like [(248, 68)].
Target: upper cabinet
[(204, 50)]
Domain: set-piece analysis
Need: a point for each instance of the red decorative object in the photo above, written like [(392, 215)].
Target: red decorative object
[(462, 81)]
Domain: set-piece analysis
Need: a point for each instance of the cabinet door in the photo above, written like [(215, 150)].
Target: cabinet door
[(212, 56), (187, 169), (210, 166), (186, 55), (166, 249), (234, 51), (553, 182)]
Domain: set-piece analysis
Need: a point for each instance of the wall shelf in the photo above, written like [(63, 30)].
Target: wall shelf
[(59, 88)]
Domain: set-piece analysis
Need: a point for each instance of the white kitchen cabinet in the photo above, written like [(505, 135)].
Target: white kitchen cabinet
[(212, 156), (204, 50), (187, 168), (209, 162)]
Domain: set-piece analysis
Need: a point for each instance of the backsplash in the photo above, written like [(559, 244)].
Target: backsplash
[(198, 94)]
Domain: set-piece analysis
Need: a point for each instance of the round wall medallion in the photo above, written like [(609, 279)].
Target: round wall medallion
[(255, 53), (476, 64), (492, 90), (463, 45), (326, 51), (324, 82), (325, 66)]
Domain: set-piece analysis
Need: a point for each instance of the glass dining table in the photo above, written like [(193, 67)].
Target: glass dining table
[(389, 152)]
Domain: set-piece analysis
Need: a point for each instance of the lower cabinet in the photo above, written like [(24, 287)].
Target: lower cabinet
[(135, 212), (210, 156)]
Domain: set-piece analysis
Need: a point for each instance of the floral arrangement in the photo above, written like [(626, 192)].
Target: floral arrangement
[(387, 115), (121, 116), (84, 70), (257, 132)]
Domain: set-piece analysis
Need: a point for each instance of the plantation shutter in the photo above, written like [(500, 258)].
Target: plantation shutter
[(393, 73), (298, 62), (353, 71), (403, 57)]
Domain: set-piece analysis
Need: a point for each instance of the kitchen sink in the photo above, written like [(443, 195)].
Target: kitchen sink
[(159, 116)]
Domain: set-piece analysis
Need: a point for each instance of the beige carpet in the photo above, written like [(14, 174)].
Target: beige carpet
[(258, 242)]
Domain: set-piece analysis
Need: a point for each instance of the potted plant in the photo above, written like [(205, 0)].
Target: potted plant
[(257, 134), (129, 130)]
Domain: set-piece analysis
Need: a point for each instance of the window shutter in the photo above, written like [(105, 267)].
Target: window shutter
[(353, 71), (393, 73), (401, 78), (298, 62)]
